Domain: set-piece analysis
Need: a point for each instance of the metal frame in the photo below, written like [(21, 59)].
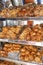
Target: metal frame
[(19, 62), (23, 42)]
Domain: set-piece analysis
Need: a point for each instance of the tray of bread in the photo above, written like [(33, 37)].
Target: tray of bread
[(23, 32), (28, 11), (23, 53)]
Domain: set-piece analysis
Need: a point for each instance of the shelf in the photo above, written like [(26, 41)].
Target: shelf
[(23, 42), (20, 62), (23, 18)]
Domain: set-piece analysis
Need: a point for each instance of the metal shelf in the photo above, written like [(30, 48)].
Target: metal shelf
[(23, 18), (20, 62), (23, 42)]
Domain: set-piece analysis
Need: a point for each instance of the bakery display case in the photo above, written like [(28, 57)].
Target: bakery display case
[(21, 34)]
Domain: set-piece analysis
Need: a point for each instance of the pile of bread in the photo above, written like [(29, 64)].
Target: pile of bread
[(26, 52), (9, 13), (33, 33), (31, 54), (31, 11), (27, 11), (9, 48)]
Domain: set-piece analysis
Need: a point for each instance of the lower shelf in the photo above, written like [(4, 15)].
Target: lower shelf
[(23, 42), (20, 62)]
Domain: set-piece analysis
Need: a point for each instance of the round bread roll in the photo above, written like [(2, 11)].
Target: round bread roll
[(38, 59)]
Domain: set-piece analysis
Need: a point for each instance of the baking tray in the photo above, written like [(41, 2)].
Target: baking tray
[(14, 56)]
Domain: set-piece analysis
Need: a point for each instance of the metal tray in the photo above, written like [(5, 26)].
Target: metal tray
[(14, 56)]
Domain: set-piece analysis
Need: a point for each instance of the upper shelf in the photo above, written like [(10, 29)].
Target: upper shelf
[(26, 12)]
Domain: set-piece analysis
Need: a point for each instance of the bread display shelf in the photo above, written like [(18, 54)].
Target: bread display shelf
[(24, 13), (20, 62), (23, 42)]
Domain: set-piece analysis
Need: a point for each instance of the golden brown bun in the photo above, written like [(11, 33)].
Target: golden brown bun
[(11, 47), (31, 53)]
